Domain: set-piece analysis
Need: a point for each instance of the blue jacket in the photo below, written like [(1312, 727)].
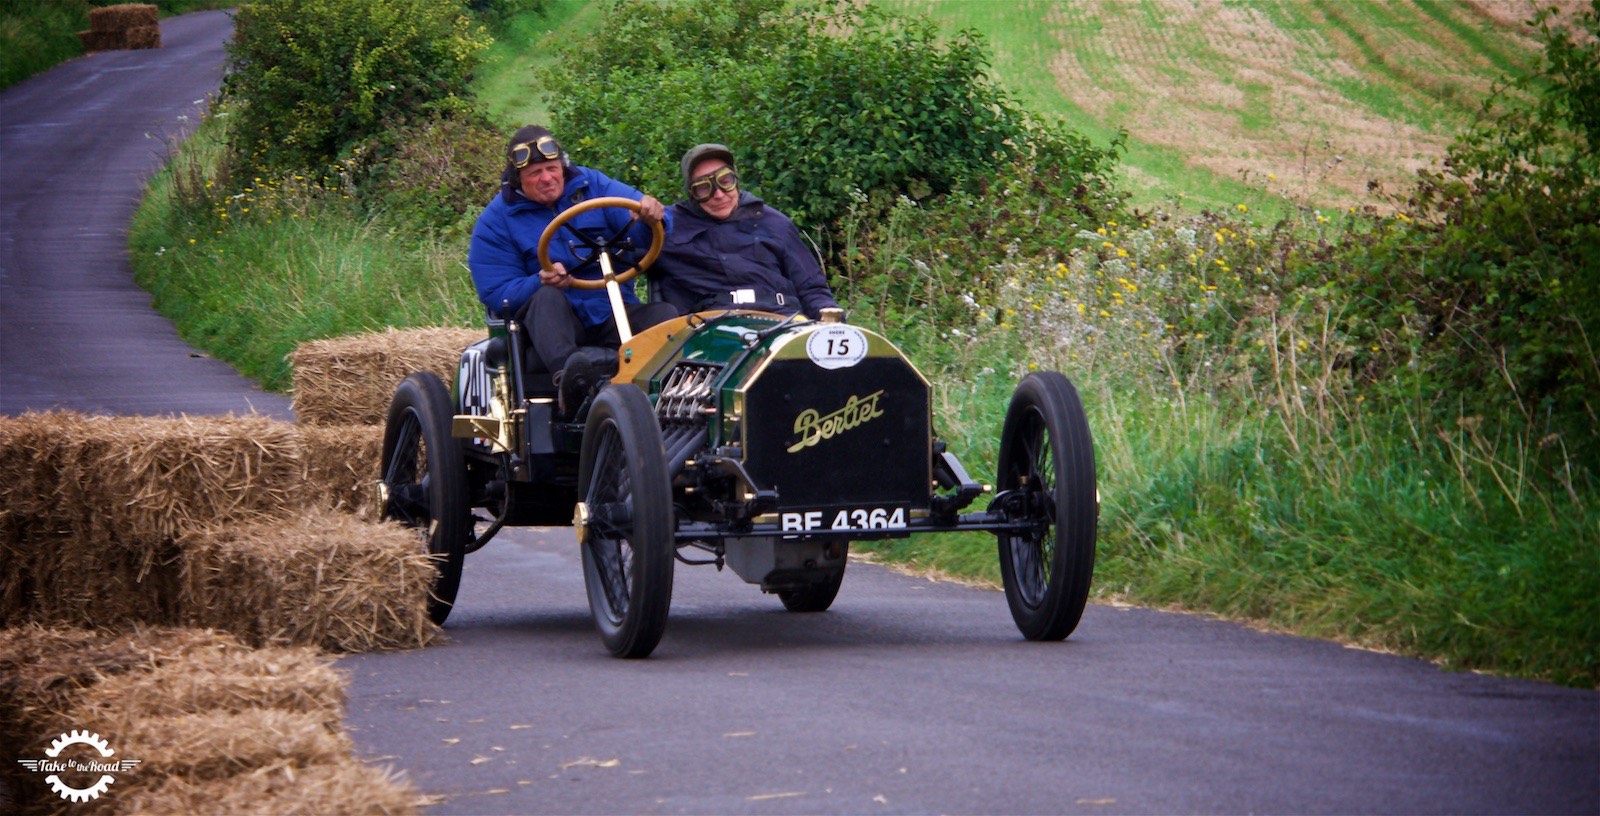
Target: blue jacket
[(504, 256), (757, 248)]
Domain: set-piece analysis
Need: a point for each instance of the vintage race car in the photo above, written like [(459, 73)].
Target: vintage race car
[(737, 438)]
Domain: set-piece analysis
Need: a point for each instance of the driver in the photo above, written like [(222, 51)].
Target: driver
[(538, 183), (728, 248)]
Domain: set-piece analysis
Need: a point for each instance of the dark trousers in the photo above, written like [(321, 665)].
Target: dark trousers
[(554, 330)]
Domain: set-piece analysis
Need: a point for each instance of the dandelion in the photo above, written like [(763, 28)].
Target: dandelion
[(1241, 208), (1272, 177), (1122, 253), (1104, 313)]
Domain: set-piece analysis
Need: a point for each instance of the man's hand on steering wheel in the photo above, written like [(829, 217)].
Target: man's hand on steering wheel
[(556, 276), (651, 210), (648, 211)]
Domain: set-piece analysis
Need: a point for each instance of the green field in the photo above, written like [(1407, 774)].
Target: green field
[(1250, 102)]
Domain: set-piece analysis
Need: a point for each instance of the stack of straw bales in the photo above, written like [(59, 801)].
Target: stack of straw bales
[(218, 727), (108, 521), (350, 380), (130, 25), (245, 524)]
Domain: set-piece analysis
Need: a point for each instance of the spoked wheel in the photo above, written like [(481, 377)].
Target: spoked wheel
[(624, 521), (424, 481), (1047, 480), (816, 597)]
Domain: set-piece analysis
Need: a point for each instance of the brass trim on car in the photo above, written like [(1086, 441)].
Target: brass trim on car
[(580, 522), (643, 356), (473, 426), (792, 346)]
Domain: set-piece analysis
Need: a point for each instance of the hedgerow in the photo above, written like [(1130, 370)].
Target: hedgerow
[(308, 79)]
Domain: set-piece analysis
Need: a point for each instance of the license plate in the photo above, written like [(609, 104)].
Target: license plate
[(847, 519)]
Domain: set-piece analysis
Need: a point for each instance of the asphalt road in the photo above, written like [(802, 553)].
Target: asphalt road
[(908, 697), (77, 145)]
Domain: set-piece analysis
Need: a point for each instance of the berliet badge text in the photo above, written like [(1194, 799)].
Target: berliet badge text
[(813, 428)]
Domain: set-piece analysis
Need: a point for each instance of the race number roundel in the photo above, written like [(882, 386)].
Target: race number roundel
[(836, 346)]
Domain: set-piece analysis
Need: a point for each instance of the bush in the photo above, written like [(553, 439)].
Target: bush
[(1484, 294), (436, 174), (816, 102), (310, 78), (885, 138)]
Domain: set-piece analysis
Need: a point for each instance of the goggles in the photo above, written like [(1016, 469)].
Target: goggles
[(545, 146), (702, 188)]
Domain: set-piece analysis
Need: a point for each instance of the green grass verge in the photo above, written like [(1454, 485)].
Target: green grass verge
[(1362, 536), (506, 82), (279, 269)]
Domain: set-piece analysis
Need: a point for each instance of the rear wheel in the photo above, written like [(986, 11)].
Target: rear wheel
[(624, 521), (815, 597), (424, 481), (1047, 480)]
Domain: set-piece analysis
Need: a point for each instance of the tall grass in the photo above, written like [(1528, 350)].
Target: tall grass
[(250, 275), (1247, 474)]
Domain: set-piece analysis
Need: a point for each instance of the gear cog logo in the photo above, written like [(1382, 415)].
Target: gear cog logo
[(54, 765)]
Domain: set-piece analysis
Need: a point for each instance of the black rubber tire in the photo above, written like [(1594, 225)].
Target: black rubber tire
[(424, 470), (817, 597), (628, 554), (1046, 446)]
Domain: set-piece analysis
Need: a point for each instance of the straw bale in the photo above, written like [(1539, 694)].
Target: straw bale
[(134, 479), (30, 461), (346, 787), (45, 671), (350, 380), (341, 465), (96, 515), (101, 40), (321, 578), (216, 744), (122, 17), (148, 36), (218, 726), (62, 579), (227, 677)]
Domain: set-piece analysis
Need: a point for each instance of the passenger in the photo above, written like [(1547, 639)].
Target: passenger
[(727, 248), (538, 183)]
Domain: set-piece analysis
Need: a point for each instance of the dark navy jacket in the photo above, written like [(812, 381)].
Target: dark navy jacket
[(504, 256), (757, 252)]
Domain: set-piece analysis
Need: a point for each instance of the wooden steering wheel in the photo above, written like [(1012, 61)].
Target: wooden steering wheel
[(603, 245)]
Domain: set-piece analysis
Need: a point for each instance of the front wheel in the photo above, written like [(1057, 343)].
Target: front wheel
[(424, 481), (1047, 481), (624, 521)]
